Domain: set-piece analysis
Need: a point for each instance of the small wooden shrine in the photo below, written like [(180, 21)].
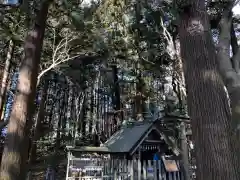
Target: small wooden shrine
[(139, 150)]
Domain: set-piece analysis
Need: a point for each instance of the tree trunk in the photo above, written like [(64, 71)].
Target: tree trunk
[(230, 70), (234, 41), (116, 92), (139, 98), (234, 44), (13, 166), (179, 75), (58, 137), (5, 75), (118, 114), (39, 120), (83, 114), (184, 149), (207, 100)]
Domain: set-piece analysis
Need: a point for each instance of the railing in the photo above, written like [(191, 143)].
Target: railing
[(126, 170)]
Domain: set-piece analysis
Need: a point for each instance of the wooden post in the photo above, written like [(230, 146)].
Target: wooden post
[(139, 169), (160, 169), (139, 163), (115, 176), (184, 148), (155, 170), (144, 170), (131, 169), (69, 156)]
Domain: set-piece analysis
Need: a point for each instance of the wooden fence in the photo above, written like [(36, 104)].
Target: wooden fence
[(125, 170)]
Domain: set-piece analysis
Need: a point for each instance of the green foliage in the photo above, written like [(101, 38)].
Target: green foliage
[(126, 33)]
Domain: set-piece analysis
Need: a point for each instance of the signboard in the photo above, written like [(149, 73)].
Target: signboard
[(86, 167), (170, 165), (150, 172)]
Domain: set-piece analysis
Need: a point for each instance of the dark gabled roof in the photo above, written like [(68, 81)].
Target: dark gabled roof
[(130, 136), (127, 137)]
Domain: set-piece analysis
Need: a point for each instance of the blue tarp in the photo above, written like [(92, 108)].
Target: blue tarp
[(156, 157)]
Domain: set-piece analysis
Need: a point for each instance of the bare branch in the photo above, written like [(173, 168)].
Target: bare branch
[(60, 46), (61, 54), (55, 65), (54, 39)]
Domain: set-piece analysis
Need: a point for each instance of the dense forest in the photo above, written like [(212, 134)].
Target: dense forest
[(75, 72)]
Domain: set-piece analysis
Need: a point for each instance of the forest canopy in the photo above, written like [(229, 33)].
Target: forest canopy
[(75, 72)]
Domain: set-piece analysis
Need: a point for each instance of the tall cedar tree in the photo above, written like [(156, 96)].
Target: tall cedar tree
[(207, 100), (13, 166), (5, 75)]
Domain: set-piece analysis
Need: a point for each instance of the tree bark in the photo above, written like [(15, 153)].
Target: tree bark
[(39, 120), (13, 166), (57, 144), (139, 97), (234, 41), (230, 70), (207, 100), (116, 93), (5, 75)]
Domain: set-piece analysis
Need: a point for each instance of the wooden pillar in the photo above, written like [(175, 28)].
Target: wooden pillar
[(184, 153), (139, 152), (68, 163)]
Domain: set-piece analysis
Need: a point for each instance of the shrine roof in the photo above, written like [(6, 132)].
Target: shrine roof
[(128, 138), (132, 135), (124, 140)]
